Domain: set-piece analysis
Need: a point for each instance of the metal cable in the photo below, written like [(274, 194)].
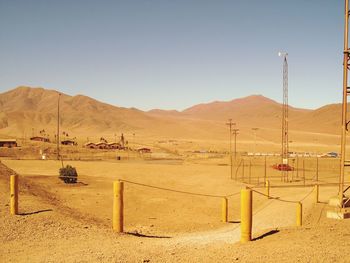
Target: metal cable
[(177, 191), (282, 200)]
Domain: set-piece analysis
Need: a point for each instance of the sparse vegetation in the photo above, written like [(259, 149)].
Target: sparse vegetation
[(68, 174)]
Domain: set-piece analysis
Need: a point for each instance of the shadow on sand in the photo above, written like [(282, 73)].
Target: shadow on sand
[(35, 212), (234, 222), (146, 236), (266, 234)]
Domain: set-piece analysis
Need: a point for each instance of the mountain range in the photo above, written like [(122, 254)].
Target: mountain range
[(27, 110)]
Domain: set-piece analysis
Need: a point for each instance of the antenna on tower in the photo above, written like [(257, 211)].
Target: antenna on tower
[(285, 146)]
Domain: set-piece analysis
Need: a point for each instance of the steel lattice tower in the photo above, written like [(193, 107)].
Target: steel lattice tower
[(346, 92), (285, 147)]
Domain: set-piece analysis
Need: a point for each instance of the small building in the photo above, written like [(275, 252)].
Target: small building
[(90, 145), (9, 143), (39, 139), (101, 145), (69, 142), (114, 145), (144, 150)]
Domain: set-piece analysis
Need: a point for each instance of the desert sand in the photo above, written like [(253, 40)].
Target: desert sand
[(72, 223), (181, 222)]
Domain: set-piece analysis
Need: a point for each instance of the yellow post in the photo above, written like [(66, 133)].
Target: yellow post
[(299, 213), (246, 215), (14, 194), (267, 186), (317, 188), (224, 210), (118, 206)]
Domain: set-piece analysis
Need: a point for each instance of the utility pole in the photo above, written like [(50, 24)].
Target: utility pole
[(284, 153), (58, 126), (230, 124), (235, 133)]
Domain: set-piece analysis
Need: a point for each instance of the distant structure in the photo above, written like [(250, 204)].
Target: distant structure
[(144, 150), (69, 142), (114, 145), (9, 143), (39, 139), (285, 148), (90, 145), (104, 144)]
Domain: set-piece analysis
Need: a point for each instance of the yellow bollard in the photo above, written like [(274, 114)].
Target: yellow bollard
[(246, 215), (316, 192), (14, 194), (224, 210), (267, 186), (299, 214), (118, 206)]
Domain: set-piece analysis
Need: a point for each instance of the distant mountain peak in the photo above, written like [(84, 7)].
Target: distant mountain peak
[(255, 98)]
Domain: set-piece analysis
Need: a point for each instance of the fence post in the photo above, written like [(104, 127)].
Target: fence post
[(316, 193), (246, 215), (118, 206), (299, 213), (14, 194), (224, 210), (267, 186)]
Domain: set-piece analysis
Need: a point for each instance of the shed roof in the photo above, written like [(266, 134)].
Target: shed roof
[(8, 140)]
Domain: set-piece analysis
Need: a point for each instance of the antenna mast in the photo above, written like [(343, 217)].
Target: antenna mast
[(285, 147)]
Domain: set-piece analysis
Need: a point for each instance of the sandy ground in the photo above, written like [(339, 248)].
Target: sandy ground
[(61, 223)]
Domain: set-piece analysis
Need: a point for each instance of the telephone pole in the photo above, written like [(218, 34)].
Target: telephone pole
[(58, 126), (235, 133), (230, 124)]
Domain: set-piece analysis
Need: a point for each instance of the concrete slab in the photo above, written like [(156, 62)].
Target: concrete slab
[(335, 202), (338, 214)]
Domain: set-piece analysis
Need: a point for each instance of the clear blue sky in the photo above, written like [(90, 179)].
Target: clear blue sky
[(172, 54)]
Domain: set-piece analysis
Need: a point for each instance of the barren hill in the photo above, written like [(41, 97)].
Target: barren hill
[(262, 112), (24, 109), (254, 111)]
